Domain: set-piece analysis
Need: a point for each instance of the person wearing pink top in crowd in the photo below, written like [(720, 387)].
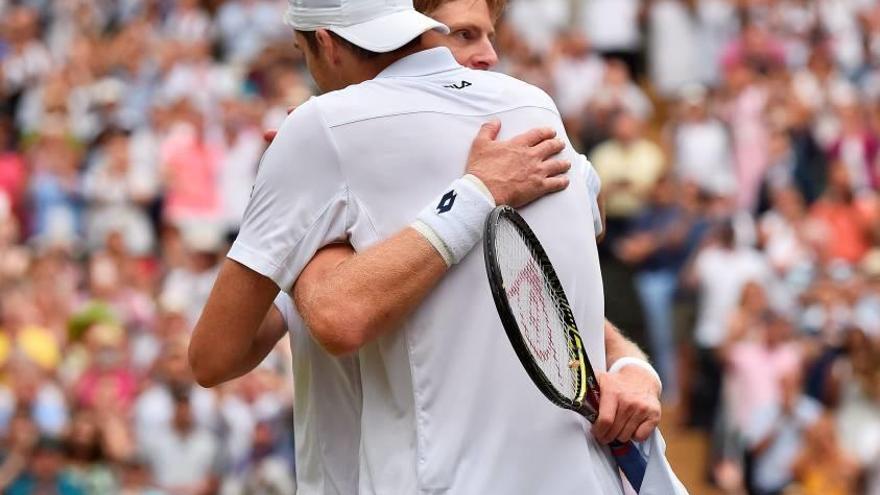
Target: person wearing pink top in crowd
[(755, 364), (13, 171), (191, 165)]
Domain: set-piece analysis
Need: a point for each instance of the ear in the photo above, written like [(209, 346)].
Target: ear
[(330, 49)]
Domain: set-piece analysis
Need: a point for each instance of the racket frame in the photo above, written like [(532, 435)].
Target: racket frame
[(586, 401)]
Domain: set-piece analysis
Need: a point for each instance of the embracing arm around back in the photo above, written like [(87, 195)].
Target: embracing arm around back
[(348, 300)]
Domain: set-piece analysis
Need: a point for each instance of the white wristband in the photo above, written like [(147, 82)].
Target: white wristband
[(641, 363), (453, 223)]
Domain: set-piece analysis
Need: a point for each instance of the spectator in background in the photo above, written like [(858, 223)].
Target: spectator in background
[(856, 145), (756, 48), (630, 166), (136, 479), (758, 353), (55, 191), (268, 471), (27, 60), (718, 23), (578, 72), (745, 106), (823, 467), (701, 144), (88, 456), (13, 171), (844, 219), (537, 22), (191, 284), (191, 170), (841, 21), (776, 434), (613, 25), (786, 234), (658, 246), (119, 196), (854, 389), (184, 456), (817, 87), (243, 148), (619, 92), (720, 270), (45, 473), (245, 27), (108, 383), (188, 22), (673, 46), (19, 440)]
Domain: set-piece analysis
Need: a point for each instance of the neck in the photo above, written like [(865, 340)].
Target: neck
[(365, 70)]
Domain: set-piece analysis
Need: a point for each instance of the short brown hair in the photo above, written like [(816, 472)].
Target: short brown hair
[(362, 53), (428, 7)]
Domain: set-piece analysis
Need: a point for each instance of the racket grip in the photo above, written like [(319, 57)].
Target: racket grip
[(630, 460)]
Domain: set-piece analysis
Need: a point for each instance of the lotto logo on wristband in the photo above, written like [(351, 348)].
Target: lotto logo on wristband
[(446, 202)]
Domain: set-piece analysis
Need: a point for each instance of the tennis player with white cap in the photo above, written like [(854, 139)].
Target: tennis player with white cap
[(344, 176)]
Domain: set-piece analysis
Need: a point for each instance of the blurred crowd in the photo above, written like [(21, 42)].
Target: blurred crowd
[(739, 146)]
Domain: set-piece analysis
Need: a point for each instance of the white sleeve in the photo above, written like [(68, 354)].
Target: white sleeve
[(284, 303), (594, 186), (299, 204)]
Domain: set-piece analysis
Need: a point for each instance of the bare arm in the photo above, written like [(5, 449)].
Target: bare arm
[(618, 346), (271, 331), (227, 337), (629, 408), (348, 300)]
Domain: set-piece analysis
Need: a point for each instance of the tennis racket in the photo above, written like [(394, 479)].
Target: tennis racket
[(539, 322)]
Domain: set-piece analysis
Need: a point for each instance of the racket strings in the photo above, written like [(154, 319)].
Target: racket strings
[(537, 309)]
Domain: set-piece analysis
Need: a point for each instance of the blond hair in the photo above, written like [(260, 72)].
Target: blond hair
[(427, 7)]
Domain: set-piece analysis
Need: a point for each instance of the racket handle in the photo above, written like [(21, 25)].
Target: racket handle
[(630, 460)]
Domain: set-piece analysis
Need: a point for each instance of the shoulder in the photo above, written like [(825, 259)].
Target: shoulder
[(524, 91), (308, 116), (464, 92)]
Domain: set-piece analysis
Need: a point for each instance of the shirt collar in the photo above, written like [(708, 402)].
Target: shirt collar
[(423, 63)]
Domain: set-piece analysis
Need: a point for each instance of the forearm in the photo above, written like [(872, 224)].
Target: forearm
[(270, 332), (228, 328), (352, 299), (617, 346)]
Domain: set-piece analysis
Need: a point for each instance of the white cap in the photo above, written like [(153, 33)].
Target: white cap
[(379, 26)]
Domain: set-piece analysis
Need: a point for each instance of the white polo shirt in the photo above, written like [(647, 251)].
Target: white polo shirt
[(447, 407), (327, 415)]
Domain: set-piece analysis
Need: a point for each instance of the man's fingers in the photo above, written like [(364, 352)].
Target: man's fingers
[(548, 148), (556, 167), (605, 421), (644, 431), (624, 413), (489, 131), (629, 429), (555, 184), (534, 137)]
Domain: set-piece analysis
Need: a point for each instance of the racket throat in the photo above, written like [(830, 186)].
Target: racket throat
[(586, 410)]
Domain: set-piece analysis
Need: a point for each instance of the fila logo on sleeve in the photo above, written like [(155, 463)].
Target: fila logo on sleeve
[(446, 202)]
